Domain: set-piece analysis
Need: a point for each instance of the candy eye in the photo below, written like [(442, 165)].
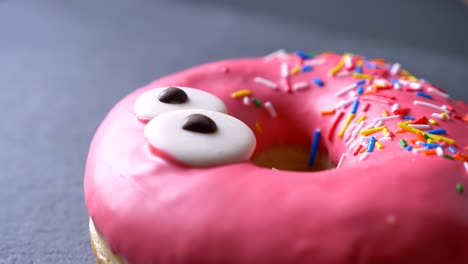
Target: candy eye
[(164, 99), (200, 138)]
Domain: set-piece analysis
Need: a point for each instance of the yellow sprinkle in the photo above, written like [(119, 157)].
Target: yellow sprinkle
[(348, 121), (295, 70), (432, 121), (328, 112), (362, 118), (241, 93), (259, 128), (433, 136), (405, 72), (444, 115), (362, 76), (446, 139), (372, 130), (339, 66), (385, 132), (430, 141), (412, 78), (379, 145)]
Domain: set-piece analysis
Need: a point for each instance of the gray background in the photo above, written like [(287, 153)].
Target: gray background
[(63, 64)]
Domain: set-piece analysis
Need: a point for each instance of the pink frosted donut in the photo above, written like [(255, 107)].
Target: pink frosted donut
[(171, 177)]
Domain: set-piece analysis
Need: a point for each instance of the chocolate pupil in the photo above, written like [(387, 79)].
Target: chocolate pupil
[(173, 95), (199, 123)]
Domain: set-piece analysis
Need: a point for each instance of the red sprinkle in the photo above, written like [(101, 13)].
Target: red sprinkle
[(357, 150), (366, 107), (334, 125), (401, 111), (421, 121), (456, 116)]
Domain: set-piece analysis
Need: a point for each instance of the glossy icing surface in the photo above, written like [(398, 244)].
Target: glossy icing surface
[(393, 206)]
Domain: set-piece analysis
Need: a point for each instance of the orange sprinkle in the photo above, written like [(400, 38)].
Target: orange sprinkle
[(362, 76), (399, 131), (466, 118), (378, 60), (420, 137), (328, 112), (412, 141), (362, 150), (429, 152), (385, 113), (258, 128)]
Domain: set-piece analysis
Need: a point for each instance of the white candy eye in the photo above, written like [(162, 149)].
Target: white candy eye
[(165, 99), (201, 138)]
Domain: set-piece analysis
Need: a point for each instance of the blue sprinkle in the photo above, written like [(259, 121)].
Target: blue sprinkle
[(358, 69), (360, 82), (360, 90), (437, 131), (314, 149), (371, 146), (425, 95), (370, 64), (303, 55), (355, 106), (394, 81), (452, 149), (408, 118), (409, 148), (318, 82), (430, 146), (307, 68)]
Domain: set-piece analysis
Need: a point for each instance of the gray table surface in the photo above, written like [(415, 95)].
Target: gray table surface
[(64, 64)]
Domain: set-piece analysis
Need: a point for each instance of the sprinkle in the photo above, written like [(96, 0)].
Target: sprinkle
[(328, 112), (295, 70), (386, 118), (300, 86), (435, 137), (433, 106), (415, 86), (409, 148), (466, 167), (401, 111), (360, 90), (421, 121), (378, 124), (350, 87), (371, 146), (338, 67), (382, 101), (439, 116), (285, 83), (382, 139), (343, 74), (266, 82), (334, 125), (460, 188), (355, 106), (284, 70), (306, 68), (403, 143), (407, 117), (315, 62), (348, 121), (437, 131), (258, 128), (241, 93), (429, 152), (435, 91), (357, 130), (425, 95), (366, 107), (417, 150), (343, 156), (362, 76), (314, 149), (444, 116), (303, 55), (364, 156), (278, 53), (318, 82), (358, 69), (345, 103), (432, 121), (385, 132), (395, 107), (366, 132), (362, 118), (452, 149), (348, 62), (379, 145), (257, 102), (418, 126), (440, 151), (447, 156), (358, 150), (246, 100), (395, 69), (271, 110)]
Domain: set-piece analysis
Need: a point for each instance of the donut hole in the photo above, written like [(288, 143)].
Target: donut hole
[(292, 157)]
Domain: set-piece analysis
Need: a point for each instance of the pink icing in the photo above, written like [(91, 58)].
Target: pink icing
[(393, 207)]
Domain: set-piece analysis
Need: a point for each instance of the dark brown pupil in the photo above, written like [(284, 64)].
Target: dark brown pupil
[(199, 123), (173, 95)]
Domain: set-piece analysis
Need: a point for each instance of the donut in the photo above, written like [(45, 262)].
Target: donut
[(288, 158)]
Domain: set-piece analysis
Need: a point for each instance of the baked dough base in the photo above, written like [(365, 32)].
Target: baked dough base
[(101, 249)]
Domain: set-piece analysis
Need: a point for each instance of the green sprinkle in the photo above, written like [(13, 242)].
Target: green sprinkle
[(426, 136), (460, 188), (403, 143), (257, 102), (447, 156)]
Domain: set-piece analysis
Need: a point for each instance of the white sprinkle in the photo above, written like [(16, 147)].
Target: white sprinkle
[(354, 144), (435, 91), (343, 74), (271, 110), (380, 123), (358, 129), (382, 139), (444, 107), (365, 139), (386, 118), (440, 116), (433, 106), (279, 53), (343, 156), (403, 82), (284, 70), (395, 69), (395, 107), (266, 82), (371, 125), (415, 86), (419, 142), (345, 103), (300, 86), (364, 156), (352, 93), (396, 86), (348, 61), (315, 62), (246, 100), (417, 150), (346, 89), (466, 166), (420, 126), (440, 152)]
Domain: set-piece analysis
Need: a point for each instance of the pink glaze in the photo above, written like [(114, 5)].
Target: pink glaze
[(393, 207)]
